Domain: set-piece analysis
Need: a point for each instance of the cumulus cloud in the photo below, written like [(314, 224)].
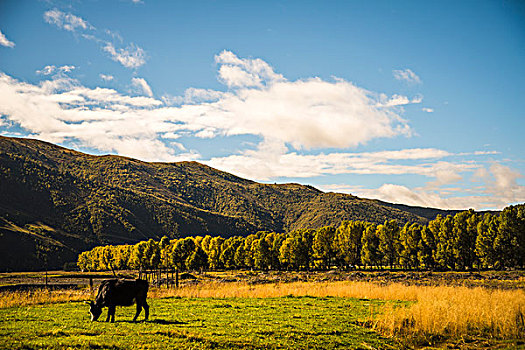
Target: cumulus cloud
[(499, 190), (308, 113), (403, 195), (286, 117), (303, 114), (428, 110), (237, 72), (234, 76), (61, 109), (65, 21), (406, 75), (4, 41), (142, 86)]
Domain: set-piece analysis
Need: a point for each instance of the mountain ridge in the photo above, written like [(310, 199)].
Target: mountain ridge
[(57, 202)]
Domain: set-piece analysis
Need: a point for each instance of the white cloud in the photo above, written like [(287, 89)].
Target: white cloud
[(51, 69), (417, 99), (271, 159), (192, 95), (503, 183), (399, 194), (115, 35), (61, 109), (130, 57), (142, 86), (65, 21), (4, 41), (286, 116), (170, 100), (403, 195), (234, 76), (398, 100), (500, 189), (106, 77), (310, 113), (237, 72), (170, 135), (66, 69), (481, 153), (47, 70), (407, 75), (428, 110), (307, 114), (444, 176)]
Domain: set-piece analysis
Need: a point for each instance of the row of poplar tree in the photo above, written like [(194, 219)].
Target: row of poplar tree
[(464, 241)]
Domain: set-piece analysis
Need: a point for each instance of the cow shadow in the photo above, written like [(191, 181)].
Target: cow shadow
[(156, 321), (165, 322)]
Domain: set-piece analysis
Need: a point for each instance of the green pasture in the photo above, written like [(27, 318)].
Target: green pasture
[(198, 323)]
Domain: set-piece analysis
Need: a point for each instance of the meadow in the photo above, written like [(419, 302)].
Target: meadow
[(198, 323), (314, 315)]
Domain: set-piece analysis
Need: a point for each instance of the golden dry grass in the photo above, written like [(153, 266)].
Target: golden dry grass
[(439, 310), (42, 296), (458, 311), (367, 290)]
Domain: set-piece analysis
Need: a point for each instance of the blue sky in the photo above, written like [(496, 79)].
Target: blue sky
[(413, 102)]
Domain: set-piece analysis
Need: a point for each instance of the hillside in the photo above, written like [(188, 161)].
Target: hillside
[(56, 202)]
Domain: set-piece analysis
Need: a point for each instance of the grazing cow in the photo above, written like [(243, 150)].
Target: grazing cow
[(120, 292)]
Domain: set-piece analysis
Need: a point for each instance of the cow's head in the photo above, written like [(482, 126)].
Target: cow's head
[(94, 310)]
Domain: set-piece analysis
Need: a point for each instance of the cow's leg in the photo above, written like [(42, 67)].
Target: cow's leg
[(111, 314), (139, 309), (146, 310)]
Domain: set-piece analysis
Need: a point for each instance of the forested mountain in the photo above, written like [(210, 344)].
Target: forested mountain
[(56, 202)]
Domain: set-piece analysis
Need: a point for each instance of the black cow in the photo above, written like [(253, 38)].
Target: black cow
[(120, 292)]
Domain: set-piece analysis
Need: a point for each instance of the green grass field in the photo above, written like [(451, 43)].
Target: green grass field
[(200, 323)]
